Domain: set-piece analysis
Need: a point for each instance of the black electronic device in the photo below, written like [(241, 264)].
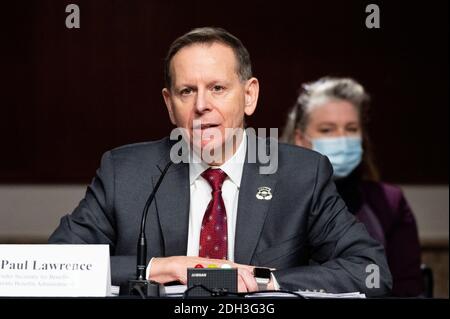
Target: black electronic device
[(219, 281)]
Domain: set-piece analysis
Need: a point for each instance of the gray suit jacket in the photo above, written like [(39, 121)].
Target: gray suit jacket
[(304, 231)]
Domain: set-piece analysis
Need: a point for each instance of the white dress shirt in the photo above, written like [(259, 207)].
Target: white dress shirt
[(200, 196)]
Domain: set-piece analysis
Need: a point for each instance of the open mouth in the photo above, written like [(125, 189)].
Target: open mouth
[(207, 132), (206, 126)]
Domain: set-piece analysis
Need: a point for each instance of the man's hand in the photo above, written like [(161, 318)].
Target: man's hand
[(167, 269)]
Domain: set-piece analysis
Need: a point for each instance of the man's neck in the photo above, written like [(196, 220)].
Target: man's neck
[(229, 152)]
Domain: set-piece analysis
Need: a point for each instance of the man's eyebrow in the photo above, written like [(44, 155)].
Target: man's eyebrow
[(220, 81), (184, 85)]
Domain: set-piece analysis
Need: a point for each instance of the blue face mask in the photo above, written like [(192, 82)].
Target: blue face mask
[(344, 153)]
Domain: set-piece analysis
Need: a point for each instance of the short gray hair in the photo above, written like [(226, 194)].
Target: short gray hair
[(210, 35), (318, 93)]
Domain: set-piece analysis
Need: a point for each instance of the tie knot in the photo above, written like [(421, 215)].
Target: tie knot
[(215, 178)]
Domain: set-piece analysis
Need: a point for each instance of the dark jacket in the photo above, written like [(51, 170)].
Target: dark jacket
[(305, 219), (385, 212)]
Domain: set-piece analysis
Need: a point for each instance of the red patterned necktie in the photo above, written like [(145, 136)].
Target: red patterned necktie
[(213, 235)]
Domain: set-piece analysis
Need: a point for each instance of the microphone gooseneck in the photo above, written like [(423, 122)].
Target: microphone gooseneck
[(141, 264)]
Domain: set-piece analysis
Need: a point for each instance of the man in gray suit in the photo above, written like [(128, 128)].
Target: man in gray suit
[(223, 209)]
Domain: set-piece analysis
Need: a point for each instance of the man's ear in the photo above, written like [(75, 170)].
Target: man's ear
[(167, 99), (251, 96)]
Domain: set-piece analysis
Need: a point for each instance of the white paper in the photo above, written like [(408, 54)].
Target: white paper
[(55, 270), (178, 290), (174, 290), (310, 294)]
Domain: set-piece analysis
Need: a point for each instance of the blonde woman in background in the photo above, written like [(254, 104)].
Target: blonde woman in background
[(329, 117)]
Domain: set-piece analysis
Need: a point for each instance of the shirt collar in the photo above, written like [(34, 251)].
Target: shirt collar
[(233, 167)]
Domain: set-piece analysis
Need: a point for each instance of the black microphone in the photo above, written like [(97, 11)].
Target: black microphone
[(141, 286)]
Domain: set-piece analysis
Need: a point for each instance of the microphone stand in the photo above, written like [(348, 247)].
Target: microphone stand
[(141, 286)]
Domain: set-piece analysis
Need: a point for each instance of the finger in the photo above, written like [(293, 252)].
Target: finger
[(205, 262), (241, 284), (242, 266), (248, 279)]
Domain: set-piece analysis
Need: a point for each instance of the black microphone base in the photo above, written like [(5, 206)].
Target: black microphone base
[(144, 288)]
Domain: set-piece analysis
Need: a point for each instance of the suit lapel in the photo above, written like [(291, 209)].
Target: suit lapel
[(173, 199), (172, 205), (251, 212)]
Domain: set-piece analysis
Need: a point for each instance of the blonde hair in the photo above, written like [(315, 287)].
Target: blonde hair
[(326, 89)]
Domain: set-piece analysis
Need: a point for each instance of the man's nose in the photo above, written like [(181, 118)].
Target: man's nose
[(202, 103)]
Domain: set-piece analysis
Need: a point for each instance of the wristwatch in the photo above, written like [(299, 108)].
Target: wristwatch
[(262, 276)]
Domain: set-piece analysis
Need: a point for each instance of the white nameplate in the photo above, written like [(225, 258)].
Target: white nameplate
[(55, 270)]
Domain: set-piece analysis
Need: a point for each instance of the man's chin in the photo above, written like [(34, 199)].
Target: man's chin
[(209, 151)]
